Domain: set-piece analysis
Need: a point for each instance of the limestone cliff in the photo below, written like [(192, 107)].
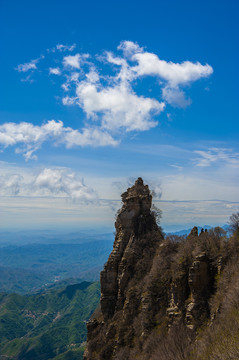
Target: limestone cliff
[(134, 221), (151, 286)]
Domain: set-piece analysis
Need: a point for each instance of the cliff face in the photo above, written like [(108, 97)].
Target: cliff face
[(134, 221), (153, 289), (137, 238)]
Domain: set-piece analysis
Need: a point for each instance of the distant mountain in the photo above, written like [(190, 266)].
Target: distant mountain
[(21, 280), (187, 231), (26, 237), (49, 325), (31, 267)]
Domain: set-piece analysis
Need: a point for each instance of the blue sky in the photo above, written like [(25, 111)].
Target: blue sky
[(95, 95)]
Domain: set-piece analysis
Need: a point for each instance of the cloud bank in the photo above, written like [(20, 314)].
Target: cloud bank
[(104, 87), (31, 137), (111, 97), (48, 182)]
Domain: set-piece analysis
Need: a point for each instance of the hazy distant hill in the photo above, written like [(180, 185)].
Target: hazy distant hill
[(49, 325), (187, 231), (29, 267), (26, 237)]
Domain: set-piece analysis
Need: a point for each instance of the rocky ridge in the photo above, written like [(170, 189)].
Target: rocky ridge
[(151, 286)]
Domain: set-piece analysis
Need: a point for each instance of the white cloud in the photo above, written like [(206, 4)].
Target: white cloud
[(108, 96), (129, 48), (71, 79), (62, 182), (62, 48), (175, 97), (11, 184), (119, 105), (55, 71), (30, 65), (32, 136), (27, 66), (214, 155), (174, 73), (111, 98), (74, 61), (57, 182), (93, 76), (68, 100), (89, 136)]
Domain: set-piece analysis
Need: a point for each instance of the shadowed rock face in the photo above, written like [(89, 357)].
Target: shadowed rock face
[(137, 202), (136, 240), (134, 220)]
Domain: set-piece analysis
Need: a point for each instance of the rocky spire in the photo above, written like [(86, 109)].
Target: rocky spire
[(134, 219), (135, 215), (136, 240)]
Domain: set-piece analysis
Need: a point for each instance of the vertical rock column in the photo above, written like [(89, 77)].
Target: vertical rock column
[(133, 220)]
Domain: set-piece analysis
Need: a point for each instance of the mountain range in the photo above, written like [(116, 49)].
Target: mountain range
[(47, 325)]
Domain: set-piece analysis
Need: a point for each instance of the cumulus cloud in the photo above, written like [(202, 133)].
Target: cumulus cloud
[(74, 61), (119, 105), (31, 137), (214, 155), (55, 71), (174, 73), (104, 88), (129, 48), (65, 183), (11, 184), (57, 182), (113, 98)]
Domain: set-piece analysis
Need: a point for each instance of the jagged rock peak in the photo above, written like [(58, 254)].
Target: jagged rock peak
[(193, 232), (135, 214), (137, 191), (133, 222), (136, 241)]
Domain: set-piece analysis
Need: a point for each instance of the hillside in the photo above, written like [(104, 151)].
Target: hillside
[(30, 267), (48, 325), (167, 298)]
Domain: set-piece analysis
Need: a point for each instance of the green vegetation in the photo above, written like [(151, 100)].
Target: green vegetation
[(48, 325), (31, 267)]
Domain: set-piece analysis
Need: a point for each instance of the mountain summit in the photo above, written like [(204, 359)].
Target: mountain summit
[(135, 220), (165, 298), (137, 238)]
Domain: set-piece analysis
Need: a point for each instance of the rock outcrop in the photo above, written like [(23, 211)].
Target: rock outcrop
[(149, 285), (136, 240), (134, 220)]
